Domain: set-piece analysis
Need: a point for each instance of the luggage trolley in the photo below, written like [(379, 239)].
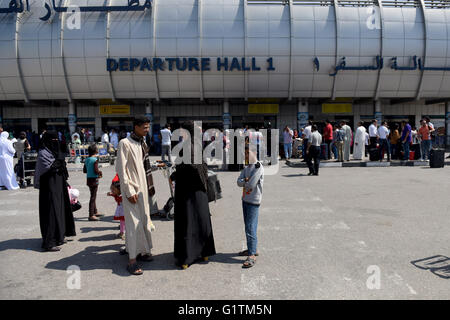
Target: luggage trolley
[(26, 168), (103, 154)]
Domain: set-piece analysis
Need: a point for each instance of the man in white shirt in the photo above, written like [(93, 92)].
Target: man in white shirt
[(383, 133), (313, 151), (373, 134), (105, 137), (306, 136), (166, 142)]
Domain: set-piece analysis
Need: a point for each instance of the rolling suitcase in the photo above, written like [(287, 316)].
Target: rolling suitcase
[(323, 151), (437, 158), (374, 154)]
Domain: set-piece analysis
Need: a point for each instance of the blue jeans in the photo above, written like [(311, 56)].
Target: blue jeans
[(425, 146), (288, 150), (335, 151), (406, 150), (251, 212)]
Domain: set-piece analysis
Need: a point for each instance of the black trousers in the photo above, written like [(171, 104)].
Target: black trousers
[(305, 145), (372, 142), (92, 200), (314, 155), (329, 142)]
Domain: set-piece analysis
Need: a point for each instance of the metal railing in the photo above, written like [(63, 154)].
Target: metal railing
[(437, 4), (357, 3), (401, 3)]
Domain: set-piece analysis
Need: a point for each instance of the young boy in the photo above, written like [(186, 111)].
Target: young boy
[(93, 174), (251, 180)]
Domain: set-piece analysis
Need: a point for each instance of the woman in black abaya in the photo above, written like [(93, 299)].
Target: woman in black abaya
[(193, 230), (55, 213)]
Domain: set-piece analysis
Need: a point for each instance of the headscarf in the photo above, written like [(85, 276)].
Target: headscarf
[(50, 141), (48, 153), (4, 136), (201, 169), (8, 143)]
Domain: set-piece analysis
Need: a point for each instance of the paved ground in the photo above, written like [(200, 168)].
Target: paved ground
[(318, 238)]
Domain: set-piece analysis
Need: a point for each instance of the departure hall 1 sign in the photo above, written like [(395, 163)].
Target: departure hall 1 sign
[(187, 64)]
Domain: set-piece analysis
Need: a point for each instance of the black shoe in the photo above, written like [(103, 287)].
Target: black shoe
[(315, 174), (310, 174)]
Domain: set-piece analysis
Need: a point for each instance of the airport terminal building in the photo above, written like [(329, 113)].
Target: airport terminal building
[(96, 63)]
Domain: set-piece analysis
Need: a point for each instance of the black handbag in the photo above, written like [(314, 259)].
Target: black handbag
[(76, 206)]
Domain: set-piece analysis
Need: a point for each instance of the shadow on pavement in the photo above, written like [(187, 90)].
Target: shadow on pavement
[(22, 244), (89, 229), (294, 175), (438, 265), (229, 258), (105, 237), (94, 258)]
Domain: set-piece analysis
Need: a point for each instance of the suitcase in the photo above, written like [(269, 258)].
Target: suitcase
[(437, 158), (412, 155), (374, 154), (323, 151)]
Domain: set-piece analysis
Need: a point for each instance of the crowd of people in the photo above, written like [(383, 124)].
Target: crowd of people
[(380, 140), (133, 189)]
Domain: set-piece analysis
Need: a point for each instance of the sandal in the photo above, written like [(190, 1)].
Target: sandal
[(245, 253), (53, 249), (250, 262), (145, 257), (134, 269)]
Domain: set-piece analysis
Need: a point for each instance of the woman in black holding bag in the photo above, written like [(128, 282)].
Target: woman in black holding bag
[(55, 213), (193, 230)]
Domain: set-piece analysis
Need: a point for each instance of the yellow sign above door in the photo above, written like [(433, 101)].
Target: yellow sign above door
[(336, 108), (114, 109), (263, 108)]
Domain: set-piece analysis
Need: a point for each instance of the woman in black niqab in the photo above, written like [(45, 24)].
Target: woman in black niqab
[(55, 212), (194, 238)]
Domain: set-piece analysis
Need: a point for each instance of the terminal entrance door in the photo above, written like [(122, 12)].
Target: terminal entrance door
[(53, 124), (119, 124), (254, 122)]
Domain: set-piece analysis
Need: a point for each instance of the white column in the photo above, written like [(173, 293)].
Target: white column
[(356, 114), (72, 117), (377, 112), (35, 125), (98, 126), (149, 114), (302, 114), (447, 123), (226, 116)]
